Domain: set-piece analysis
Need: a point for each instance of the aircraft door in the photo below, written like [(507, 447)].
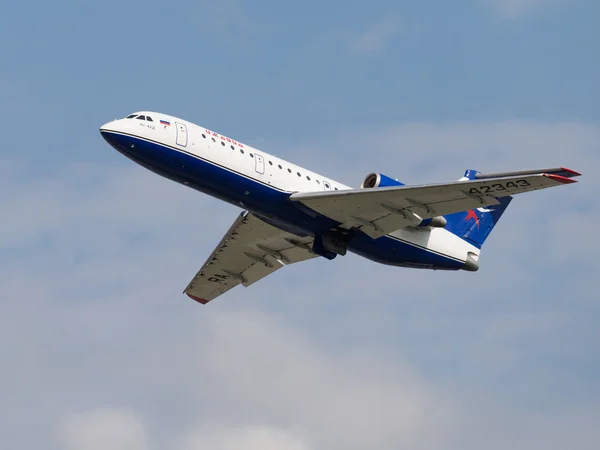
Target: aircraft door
[(182, 135), (259, 163)]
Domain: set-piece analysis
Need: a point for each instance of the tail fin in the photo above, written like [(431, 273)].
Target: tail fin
[(476, 225)]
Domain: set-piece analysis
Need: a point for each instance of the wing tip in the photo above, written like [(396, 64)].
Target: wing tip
[(198, 299), (560, 178), (568, 173)]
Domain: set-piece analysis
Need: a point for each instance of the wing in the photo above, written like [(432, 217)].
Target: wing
[(380, 211), (251, 250)]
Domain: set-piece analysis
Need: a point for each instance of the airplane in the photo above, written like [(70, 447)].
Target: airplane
[(292, 214)]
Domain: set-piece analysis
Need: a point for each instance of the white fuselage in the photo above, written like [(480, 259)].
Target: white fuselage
[(250, 178)]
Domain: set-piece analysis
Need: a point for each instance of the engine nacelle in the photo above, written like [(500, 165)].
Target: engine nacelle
[(435, 222), (375, 180)]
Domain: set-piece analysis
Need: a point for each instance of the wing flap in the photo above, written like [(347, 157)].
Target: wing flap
[(249, 251), (380, 211)]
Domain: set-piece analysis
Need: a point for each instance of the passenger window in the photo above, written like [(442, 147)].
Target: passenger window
[(290, 170), (298, 174), (213, 139), (241, 151), (307, 177), (335, 189), (270, 163), (203, 136), (223, 143), (232, 147), (251, 155), (279, 165), (318, 182)]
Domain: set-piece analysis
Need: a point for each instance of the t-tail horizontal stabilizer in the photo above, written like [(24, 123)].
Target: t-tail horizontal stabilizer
[(475, 225)]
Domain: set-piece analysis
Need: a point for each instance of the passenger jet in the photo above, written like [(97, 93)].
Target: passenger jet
[(292, 214)]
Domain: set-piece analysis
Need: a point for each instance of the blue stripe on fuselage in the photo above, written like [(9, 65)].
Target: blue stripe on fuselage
[(264, 200)]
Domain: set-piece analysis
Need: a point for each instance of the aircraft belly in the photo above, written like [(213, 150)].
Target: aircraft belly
[(392, 251)]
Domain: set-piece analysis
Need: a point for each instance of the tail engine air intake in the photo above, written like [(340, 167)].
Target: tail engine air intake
[(375, 180)]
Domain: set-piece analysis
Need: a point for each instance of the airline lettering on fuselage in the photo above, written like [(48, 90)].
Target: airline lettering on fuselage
[(223, 138)]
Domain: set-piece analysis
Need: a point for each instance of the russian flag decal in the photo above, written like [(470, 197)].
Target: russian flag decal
[(164, 122)]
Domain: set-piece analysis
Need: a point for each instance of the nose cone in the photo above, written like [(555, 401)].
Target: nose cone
[(116, 133), (108, 132), (108, 127)]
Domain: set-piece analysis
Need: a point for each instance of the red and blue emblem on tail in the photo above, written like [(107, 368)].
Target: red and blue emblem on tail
[(475, 225)]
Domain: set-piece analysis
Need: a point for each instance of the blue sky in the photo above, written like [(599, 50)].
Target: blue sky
[(101, 350)]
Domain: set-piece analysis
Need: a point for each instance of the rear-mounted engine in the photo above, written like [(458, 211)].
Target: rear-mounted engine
[(375, 180)]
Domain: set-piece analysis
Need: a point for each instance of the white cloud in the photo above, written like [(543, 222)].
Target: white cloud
[(375, 38), (512, 9), (103, 429), (246, 438), (281, 376)]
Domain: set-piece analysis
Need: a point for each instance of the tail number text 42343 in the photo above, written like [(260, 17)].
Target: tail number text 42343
[(499, 187)]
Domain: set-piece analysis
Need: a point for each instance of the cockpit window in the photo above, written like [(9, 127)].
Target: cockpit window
[(142, 117), (149, 119), (131, 116)]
